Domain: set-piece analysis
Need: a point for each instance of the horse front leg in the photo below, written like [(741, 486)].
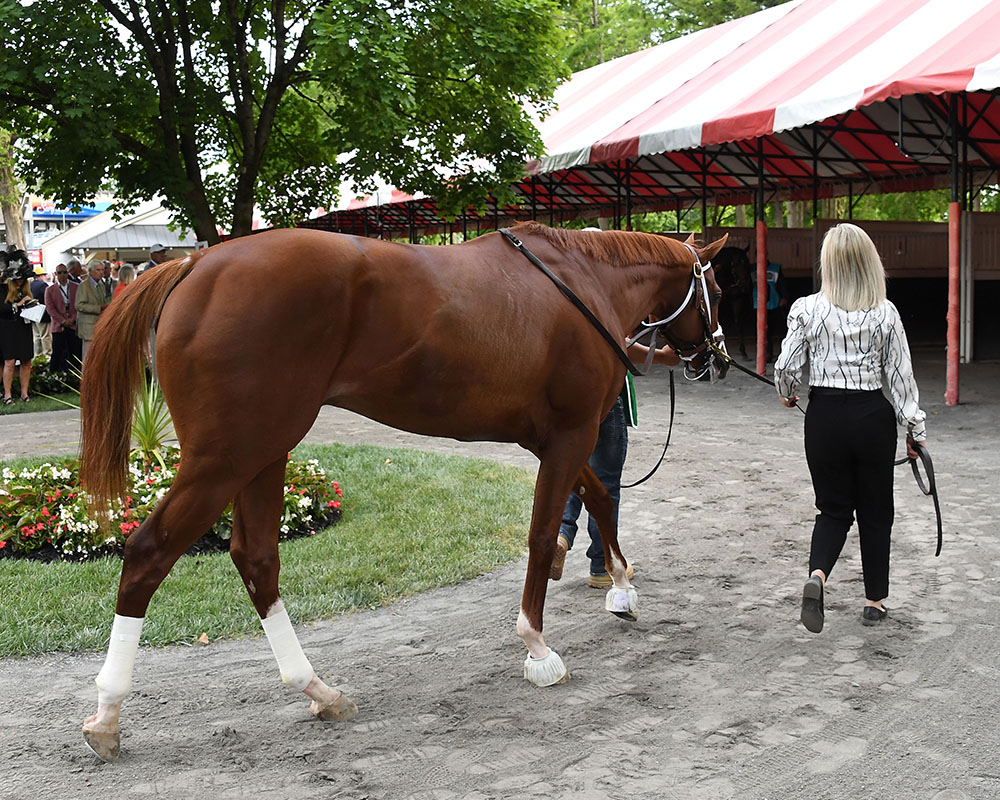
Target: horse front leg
[(559, 464), (254, 550), (621, 600), (182, 516)]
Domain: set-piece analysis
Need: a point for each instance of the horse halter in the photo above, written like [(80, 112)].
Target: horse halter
[(713, 341)]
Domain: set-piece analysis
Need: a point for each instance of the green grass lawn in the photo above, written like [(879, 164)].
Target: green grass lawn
[(412, 521), (56, 402)]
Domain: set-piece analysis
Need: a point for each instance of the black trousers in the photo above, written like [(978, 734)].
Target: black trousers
[(850, 446), (67, 351)]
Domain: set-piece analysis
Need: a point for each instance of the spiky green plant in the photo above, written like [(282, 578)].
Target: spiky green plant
[(152, 427)]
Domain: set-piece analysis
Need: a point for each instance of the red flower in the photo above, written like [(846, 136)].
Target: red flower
[(45, 511), (3, 543)]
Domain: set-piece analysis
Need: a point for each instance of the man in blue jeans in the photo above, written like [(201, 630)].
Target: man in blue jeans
[(607, 461)]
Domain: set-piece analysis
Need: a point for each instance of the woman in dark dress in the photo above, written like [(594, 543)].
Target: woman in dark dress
[(15, 334)]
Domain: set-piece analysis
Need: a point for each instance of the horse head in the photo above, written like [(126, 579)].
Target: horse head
[(692, 329)]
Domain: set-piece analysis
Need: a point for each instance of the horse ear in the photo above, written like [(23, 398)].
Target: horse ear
[(710, 251), (690, 239)]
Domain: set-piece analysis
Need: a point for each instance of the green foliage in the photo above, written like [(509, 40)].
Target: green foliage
[(600, 30), (693, 15), (45, 380), (44, 507), (152, 427), (415, 521), (928, 206), (431, 92), (218, 108)]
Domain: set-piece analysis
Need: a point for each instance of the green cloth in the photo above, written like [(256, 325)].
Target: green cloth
[(629, 402)]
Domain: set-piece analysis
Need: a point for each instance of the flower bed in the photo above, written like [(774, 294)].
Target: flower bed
[(44, 513)]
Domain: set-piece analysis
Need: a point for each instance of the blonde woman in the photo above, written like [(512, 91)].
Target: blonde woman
[(15, 335), (854, 341), (126, 274)]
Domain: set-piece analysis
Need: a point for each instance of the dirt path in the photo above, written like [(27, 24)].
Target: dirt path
[(715, 693)]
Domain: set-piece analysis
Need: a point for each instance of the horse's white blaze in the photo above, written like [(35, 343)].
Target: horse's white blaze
[(296, 671), (532, 638), (115, 678)]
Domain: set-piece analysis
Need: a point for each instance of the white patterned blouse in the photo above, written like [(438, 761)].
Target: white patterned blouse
[(863, 350)]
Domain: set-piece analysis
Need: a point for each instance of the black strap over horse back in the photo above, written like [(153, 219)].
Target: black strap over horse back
[(928, 488), (571, 296)]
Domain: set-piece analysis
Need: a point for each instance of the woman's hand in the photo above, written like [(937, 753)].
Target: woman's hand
[(911, 448), (789, 402)]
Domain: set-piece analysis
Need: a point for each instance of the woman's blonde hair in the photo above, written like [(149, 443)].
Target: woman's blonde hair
[(126, 274), (15, 293), (852, 274)]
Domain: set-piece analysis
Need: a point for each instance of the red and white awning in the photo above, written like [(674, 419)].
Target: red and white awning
[(810, 96), (782, 68)]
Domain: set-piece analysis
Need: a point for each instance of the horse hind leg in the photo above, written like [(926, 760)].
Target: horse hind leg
[(193, 503), (254, 550), (621, 599)]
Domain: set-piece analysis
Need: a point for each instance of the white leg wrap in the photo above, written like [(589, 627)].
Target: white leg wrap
[(296, 671), (622, 602), (546, 671), (115, 678)]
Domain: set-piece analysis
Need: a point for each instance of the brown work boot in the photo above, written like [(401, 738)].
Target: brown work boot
[(604, 581), (559, 559)]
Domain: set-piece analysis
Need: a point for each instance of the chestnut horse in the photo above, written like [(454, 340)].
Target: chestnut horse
[(468, 341)]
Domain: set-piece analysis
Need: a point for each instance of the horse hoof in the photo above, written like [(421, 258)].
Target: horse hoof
[(338, 709), (103, 744), (546, 671), (622, 603)]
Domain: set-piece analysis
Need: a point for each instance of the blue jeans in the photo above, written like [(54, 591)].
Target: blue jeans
[(607, 461)]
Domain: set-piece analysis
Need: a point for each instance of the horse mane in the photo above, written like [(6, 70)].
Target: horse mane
[(617, 248)]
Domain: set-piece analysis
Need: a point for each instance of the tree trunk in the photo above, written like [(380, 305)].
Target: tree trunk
[(779, 214), (741, 216), (796, 214), (10, 196)]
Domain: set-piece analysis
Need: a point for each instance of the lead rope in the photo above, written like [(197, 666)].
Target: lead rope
[(666, 444)]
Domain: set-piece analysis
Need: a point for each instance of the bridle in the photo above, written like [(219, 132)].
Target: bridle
[(713, 342)]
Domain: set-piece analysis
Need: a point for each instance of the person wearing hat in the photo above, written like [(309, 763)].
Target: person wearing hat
[(157, 255), (15, 335), (41, 336)]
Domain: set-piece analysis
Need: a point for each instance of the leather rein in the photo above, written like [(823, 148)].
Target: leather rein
[(686, 351)]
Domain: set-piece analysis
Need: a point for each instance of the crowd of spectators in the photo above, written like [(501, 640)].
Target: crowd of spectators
[(54, 314)]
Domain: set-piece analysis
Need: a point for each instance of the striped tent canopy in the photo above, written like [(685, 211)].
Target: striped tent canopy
[(814, 98)]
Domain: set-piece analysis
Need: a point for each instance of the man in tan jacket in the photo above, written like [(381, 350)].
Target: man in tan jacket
[(91, 300)]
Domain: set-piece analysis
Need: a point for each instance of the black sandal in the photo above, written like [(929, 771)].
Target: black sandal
[(25, 399), (8, 401)]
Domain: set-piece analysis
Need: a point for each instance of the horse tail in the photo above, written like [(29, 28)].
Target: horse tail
[(112, 375)]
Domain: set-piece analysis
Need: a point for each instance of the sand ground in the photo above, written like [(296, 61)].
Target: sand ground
[(716, 692)]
